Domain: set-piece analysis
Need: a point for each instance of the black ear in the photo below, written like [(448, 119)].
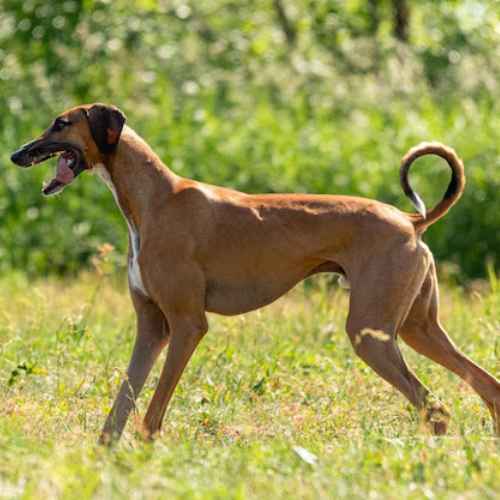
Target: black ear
[(106, 124)]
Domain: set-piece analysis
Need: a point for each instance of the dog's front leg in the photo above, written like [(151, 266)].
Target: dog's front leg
[(186, 333), (152, 336)]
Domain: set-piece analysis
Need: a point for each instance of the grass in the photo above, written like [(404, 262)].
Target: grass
[(259, 386)]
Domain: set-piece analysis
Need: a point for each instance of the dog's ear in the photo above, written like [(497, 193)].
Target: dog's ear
[(106, 124)]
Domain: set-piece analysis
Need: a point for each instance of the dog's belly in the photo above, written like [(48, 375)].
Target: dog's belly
[(228, 299)]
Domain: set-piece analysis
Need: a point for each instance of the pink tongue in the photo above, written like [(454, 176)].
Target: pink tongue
[(64, 174)]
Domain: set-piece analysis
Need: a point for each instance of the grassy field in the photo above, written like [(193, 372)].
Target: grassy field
[(261, 387)]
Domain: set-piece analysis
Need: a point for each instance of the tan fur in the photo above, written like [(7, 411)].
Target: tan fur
[(207, 248)]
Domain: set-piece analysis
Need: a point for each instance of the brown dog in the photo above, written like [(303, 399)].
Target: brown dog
[(196, 248)]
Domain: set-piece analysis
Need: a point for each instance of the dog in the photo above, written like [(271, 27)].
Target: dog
[(196, 248)]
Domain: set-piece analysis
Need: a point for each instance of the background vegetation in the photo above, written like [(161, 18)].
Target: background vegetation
[(320, 96)]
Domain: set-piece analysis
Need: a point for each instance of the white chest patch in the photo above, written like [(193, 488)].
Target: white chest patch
[(134, 271)]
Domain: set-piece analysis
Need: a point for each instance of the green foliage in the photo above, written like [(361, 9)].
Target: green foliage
[(259, 390), (324, 100)]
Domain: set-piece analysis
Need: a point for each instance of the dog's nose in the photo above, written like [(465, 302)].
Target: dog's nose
[(22, 155), (16, 156)]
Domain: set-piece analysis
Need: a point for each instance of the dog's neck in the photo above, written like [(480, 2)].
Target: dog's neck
[(136, 176)]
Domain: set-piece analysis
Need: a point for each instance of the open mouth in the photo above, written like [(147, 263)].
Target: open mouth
[(65, 172), (70, 164)]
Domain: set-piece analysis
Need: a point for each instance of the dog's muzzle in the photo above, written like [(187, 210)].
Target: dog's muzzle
[(70, 164), (32, 153)]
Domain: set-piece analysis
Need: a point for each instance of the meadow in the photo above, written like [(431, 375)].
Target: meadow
[(260, 390)]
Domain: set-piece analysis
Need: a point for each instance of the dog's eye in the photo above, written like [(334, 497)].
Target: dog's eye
[(59, 124)]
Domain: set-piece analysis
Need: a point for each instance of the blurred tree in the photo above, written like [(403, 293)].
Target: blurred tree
[(373, 7), (286, 25), (401, 19)]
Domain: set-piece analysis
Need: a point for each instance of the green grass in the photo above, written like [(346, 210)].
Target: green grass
[(258, 386)]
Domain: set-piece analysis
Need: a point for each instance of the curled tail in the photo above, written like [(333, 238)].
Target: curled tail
[(453, 193)]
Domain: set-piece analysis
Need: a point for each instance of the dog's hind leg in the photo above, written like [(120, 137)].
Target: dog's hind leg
[(152, 336), (380, 299), (423, 332)]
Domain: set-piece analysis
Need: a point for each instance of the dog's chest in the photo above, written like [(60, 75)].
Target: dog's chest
[(134, 270)]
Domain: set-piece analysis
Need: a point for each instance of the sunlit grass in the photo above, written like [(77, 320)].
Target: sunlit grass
[(259, 386)]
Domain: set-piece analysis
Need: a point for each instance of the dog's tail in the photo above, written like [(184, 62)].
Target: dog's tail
[(453, 193)]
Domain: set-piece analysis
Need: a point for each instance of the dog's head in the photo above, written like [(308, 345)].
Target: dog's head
[(81, 137)]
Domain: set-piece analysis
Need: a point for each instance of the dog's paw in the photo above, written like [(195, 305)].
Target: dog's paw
[(437, 418)]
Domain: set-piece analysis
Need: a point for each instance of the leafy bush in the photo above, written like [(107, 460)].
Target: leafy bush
[(320, 97)]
